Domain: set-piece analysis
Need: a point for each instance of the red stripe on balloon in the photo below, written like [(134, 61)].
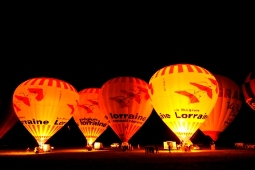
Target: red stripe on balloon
[(206, 72), (50, 82), (156, 74), (171, 69), (65, 85), (180, 68), (71, 87), (42, 81), (58, 83), (26, 82), (33, 82), (190, 69), (163, 70), (199, 70)]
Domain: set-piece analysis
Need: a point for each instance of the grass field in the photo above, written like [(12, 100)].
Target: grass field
[(130, 160)]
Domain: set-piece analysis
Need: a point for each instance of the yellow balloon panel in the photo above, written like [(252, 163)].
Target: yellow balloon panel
[(126, 103), (90, 118), (183, 95), (44, 105), (225, 110)]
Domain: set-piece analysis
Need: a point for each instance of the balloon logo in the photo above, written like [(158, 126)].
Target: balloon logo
[(248, 89), (44, 105), (225, 110), (183, 95), (90, 118), (126, 103)]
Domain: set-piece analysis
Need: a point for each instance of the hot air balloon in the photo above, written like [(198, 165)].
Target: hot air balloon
[(225, 110), (44, 106), (183, 96), (248, 89), (90, 118), (7, 120), (127, 106)]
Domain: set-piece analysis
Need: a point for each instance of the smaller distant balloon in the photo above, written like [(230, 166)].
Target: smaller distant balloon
[(225, 110), (90, 117)]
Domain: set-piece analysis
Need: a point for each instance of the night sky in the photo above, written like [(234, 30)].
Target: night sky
[(89, 55)]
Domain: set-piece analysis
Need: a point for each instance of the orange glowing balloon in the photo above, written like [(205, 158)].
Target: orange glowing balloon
[(126, 103), (183, 95), (7, 121), (225, 110), (90, 117), (44, 105), (248, 89)]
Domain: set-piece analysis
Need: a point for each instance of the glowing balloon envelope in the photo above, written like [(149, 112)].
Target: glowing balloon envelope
[(44, 105), (126, 103), (225, 110), (183, 95), (248, 89), (90, 118)]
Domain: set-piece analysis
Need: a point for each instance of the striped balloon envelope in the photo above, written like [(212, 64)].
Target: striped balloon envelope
[(248, 89), (44, 106), (183, 96), (90, 117), (225, 110), (125, 101)]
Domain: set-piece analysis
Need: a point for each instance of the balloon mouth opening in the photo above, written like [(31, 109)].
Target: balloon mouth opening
[(184, 138), (124, 139)]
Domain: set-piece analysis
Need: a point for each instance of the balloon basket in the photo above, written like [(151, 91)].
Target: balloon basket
[(89, 148)]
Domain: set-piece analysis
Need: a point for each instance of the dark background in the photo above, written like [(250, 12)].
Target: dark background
[(87, 51)]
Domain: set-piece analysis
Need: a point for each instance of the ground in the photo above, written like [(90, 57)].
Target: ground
[(108, 158)]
